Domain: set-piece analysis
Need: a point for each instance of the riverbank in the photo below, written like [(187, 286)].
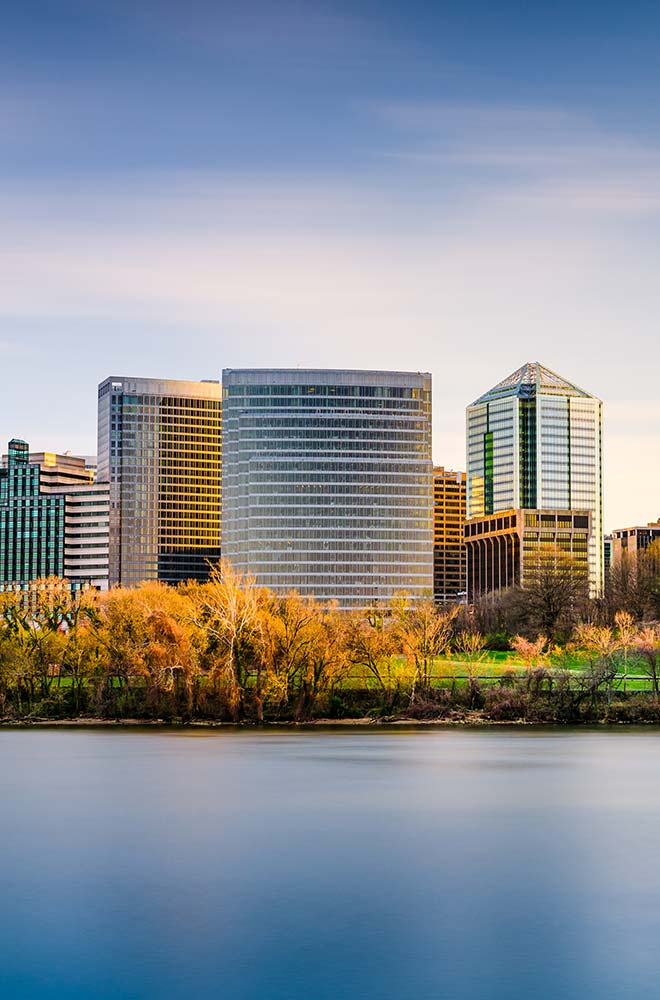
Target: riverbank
[(469, 720), (537, 697)]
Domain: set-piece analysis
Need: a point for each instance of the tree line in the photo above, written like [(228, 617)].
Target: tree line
[(555, 599), (228, 650)]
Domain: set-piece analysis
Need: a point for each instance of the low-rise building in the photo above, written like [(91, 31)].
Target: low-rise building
[(509, 548), (630, 541)]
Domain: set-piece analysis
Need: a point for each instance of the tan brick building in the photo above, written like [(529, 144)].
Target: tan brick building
[(506, 549), (630, 541), (449, 568)]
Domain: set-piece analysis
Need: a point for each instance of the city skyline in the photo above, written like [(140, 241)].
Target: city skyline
[(624, 503), (333, 186), (329, 499)]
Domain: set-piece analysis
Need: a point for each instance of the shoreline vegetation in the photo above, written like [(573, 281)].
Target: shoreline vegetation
[(226, 653), (472, 720)]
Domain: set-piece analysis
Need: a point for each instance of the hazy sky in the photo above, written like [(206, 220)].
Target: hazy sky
[(187, 187)]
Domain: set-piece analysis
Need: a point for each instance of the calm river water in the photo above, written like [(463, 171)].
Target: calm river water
[(330, 864)]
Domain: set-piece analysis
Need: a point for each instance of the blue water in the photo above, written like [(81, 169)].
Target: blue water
[(330, 864)]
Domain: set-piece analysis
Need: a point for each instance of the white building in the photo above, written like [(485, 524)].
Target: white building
[(86, 534)]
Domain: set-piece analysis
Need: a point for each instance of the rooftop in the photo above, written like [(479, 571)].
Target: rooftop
[(530, 379)]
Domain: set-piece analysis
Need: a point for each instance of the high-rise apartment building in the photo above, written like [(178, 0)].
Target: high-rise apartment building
[(53, 520), (328, 482), (449, 569), (159, 448), (534, 442)]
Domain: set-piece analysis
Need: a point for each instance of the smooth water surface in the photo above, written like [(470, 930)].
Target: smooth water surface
[(330, 864)]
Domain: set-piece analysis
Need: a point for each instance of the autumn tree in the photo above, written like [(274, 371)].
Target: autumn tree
[(532, 652), (35, 622), (651, 578), (228, 611), (471, 644), (626, 588), (555, 593), (119, 626), (600, 643), (424, 633), (325, 663), (633, 583), (303, 652), (625, 635), (147, 647), (647, 644), (79, 653), (372, 644)]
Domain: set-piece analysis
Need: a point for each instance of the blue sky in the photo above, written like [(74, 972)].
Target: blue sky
[(457, 189)]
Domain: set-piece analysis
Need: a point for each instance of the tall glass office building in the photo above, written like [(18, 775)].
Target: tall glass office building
[(534, 441), (159, 448), (328, 482)]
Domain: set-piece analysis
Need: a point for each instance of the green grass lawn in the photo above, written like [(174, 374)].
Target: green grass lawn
[(454, 668), (491, 666)]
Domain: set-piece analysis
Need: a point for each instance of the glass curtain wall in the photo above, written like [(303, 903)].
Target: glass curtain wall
[(535, 441), (328, 482), (160, 450)]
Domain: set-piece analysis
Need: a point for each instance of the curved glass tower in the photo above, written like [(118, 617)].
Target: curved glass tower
[(327, 482)]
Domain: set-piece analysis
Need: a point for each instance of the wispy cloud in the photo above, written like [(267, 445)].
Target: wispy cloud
[(531, 153), (494, 119)]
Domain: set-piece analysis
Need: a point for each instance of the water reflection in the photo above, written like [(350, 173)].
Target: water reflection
[(436, 863)]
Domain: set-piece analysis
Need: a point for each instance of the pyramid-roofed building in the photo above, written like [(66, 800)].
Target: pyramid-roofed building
[(534, 458), (530, 379)]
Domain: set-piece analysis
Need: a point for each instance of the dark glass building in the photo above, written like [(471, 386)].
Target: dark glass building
[(53, 520), (159, 448), (31, 524)]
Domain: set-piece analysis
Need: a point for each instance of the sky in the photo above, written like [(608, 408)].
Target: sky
[(450, 187)]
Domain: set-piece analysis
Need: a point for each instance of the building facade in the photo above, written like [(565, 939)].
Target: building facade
[(53, 520), (630, 541), (510, 550), (87, 534), (449, 553), (328, 482), (534, 442), (159, 449), (607, 556)]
